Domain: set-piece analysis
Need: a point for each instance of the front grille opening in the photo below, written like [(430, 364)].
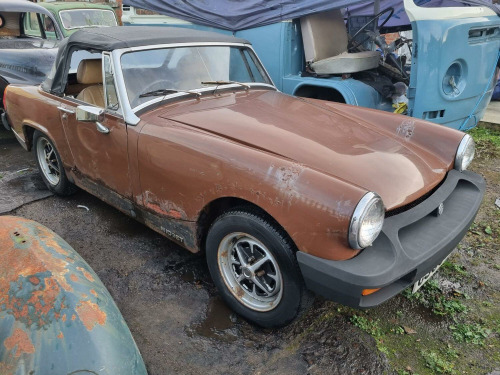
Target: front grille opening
[(413, 204)]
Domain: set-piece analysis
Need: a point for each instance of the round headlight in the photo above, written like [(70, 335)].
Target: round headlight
[(465, 153), (367, 221)]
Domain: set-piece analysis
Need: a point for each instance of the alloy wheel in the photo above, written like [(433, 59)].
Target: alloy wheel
[(250, 271)]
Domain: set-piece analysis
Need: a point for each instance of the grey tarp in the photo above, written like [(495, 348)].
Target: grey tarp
[(243, 14)]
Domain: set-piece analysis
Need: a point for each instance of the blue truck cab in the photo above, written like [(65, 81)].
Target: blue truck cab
[(448, 79)]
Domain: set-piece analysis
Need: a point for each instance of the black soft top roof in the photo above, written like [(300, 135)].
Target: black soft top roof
[(111, 38), (118, 37)]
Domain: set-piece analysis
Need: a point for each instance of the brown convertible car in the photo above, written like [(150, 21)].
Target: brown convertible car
[(184, 131)]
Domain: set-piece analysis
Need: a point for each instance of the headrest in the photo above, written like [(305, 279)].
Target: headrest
[(324, 35), (89, 72)]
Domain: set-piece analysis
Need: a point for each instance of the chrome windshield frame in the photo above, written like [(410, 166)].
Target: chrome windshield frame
[(129, 113), (62, 11)]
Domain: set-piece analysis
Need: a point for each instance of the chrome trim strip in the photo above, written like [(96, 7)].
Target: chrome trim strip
[(65, 110), (173, 45), (20, 140), (128, 114), (120, 102)]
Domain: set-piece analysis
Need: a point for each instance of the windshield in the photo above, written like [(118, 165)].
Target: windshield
[(185, 68), (78, 18)]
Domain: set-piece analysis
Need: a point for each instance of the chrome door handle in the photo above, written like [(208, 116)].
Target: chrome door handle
[(65, 110), (101, 128)]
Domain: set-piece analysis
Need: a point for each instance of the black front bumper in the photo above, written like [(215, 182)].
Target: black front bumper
[(410, 245)]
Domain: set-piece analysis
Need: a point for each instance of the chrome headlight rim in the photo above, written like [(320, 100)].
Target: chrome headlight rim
[(362, 208), (464, 146)]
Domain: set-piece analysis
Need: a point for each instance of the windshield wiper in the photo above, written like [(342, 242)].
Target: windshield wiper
[(162, 92), (225, 83)]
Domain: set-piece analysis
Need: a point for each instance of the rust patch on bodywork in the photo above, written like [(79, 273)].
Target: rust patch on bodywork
[(163, 208), (20, 341), (90, 314), (87, 275)]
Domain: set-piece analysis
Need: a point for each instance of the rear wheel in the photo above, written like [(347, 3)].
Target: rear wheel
[(50, 165), (253, 264)]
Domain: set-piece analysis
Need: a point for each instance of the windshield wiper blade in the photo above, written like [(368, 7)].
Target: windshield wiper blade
[(162, 92), (246, 86)]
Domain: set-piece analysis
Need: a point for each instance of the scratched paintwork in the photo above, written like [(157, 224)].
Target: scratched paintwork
[(56, 317)]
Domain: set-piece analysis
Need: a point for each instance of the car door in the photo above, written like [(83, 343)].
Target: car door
[(99, 142), (455, 54)]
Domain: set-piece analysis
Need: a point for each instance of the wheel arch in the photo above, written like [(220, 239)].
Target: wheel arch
[(329, 93), (29, 129), (212, 210)]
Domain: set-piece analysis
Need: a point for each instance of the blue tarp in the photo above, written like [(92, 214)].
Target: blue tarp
[(238, 14), (243, 14), (400, 18)]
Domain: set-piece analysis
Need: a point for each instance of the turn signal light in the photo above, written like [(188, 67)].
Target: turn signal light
[(367, 292)]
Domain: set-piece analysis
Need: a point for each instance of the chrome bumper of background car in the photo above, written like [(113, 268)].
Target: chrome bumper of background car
[(410, 245)]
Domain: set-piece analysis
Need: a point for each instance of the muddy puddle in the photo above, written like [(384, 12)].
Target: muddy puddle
[(219, 323)]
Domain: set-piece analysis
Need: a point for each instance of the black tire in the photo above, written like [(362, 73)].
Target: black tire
[(293, 297), (62, 186)]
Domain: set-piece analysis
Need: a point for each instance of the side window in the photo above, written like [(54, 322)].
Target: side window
[(257, 74), (48, 26), (238, 71), (31, 25), (109, 83)]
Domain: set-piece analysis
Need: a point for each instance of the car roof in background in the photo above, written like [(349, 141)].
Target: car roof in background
[(21, 6), (117, 37), (63, 5)]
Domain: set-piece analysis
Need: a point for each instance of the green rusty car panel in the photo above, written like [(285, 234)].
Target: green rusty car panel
[(56, 316)]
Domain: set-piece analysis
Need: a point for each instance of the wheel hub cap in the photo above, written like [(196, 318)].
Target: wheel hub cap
[(247, 273)]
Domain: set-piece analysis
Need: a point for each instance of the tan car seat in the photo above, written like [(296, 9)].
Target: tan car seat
[(325, 45), (90, 73)]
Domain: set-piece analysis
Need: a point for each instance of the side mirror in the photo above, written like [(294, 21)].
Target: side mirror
[(88, 113)]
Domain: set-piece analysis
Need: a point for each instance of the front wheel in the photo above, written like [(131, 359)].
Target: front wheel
[(50, 165), (254, 267)]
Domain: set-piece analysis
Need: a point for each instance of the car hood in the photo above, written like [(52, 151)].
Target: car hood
[(331, 139)]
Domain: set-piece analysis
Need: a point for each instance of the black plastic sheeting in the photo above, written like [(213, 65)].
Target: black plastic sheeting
[(244, 14)]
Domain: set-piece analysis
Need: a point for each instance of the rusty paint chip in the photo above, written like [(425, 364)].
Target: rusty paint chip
[(90, 314), (20, 340)]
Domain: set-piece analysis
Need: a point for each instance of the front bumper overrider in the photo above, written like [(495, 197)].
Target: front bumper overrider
[(411, 244)]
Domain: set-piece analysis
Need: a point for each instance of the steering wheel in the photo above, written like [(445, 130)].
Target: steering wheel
[(353, 44)]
